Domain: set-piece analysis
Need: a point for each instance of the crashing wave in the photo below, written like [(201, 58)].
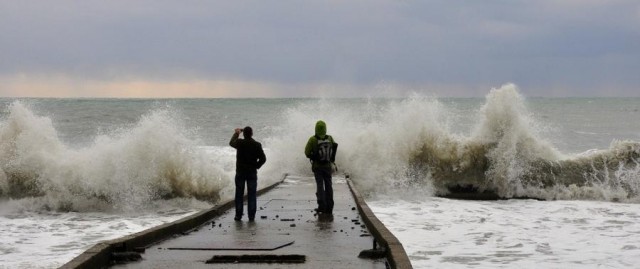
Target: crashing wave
[(505, 158), (126, 170)]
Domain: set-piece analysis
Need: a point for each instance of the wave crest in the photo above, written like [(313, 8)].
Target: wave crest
[(396, 147), (505, 156), (124, 170)]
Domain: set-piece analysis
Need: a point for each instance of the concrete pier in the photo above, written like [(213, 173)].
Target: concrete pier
[(286, 233)]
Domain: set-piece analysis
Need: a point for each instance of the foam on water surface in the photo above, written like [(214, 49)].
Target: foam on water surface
[(48, 240), (167, 161), (444, 233)]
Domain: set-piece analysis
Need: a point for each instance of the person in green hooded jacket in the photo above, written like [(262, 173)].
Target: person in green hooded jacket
[(321, 150)]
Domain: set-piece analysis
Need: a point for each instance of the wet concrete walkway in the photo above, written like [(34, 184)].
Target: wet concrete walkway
[(286, 227)]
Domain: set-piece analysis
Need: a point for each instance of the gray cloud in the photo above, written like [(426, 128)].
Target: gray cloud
[(547, 47)]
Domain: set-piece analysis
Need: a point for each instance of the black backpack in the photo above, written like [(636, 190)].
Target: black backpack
[(325, 150)]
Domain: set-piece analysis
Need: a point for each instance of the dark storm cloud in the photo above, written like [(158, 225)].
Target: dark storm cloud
[(572, 47)]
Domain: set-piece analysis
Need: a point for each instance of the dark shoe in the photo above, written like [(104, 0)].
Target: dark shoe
[(237, 218), (325, 217), (251, 220)]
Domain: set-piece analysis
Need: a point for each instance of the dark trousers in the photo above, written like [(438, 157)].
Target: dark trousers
[(324, 190), (251, 179)]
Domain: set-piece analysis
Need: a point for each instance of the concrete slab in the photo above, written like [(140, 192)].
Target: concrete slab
[(285, 226)]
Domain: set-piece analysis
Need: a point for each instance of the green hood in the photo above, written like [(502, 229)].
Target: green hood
[(321, 129)]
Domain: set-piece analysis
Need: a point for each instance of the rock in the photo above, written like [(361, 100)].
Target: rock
[(372, 254)]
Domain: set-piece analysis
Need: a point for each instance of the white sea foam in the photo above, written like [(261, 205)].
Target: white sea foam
[(124, 170), (386, 145), (50, 239), (400, 151), (375, 139), (404, 145), (446, 233)]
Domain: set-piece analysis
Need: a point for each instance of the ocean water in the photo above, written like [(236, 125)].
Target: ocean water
[(74, 172)]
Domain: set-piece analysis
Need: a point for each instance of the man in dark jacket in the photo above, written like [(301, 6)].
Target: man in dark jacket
[(321, 150), (249, 158)]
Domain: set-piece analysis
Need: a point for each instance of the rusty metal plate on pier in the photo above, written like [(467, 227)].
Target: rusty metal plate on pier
[(257, 259), (237, 245)]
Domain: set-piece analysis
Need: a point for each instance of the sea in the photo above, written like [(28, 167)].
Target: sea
[(74, 172)]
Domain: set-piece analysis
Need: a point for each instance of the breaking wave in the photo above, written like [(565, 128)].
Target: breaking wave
[(125, 170), (407, 146), (403, 147), (504, 155)]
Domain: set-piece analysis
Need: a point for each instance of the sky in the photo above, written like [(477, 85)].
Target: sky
[(330, 48)]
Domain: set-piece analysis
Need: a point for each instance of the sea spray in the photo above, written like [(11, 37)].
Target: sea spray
[(376, 138), (388, 146), (515, 232), (407, 146), (504, 155), (125, 170), (510, 137)]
